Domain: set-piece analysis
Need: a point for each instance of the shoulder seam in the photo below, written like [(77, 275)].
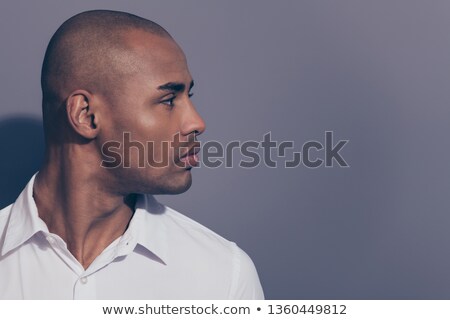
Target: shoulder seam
[(236, 270)]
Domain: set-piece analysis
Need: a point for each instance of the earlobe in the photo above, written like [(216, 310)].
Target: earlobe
[(81, 114)]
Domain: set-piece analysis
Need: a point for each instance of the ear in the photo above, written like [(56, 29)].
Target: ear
[(82, 114)]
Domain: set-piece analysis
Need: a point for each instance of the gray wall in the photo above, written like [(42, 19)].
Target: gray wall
[(375, 72)]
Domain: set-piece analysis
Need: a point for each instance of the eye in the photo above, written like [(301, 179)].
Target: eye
[(169, 101)]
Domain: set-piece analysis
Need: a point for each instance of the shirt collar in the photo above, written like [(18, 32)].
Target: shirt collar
[(24, 221), (147, 227)]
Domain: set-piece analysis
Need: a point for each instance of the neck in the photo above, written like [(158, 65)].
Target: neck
[(77, 204)]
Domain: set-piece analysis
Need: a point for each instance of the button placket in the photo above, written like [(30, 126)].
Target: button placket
[(85, 287), (83, 280)]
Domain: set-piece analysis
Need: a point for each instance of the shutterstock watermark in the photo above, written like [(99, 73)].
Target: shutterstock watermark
[(214, 154)]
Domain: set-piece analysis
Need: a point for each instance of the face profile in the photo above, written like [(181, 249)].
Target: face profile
[(120, 127), (154, 105), (143, 88)]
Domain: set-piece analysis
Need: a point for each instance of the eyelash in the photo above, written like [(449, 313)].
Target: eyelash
[(169, 102)]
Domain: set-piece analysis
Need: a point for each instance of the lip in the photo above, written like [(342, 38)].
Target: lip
[(189, 161), (192, 150), (191, 158)]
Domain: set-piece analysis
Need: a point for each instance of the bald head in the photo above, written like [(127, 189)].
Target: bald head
[(89, 51)]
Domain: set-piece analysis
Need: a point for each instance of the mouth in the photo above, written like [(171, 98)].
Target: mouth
[(190, 158)]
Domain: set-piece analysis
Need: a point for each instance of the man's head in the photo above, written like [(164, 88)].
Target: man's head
[(108, 75)]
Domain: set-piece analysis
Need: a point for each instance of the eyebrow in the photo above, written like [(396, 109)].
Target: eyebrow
[(175, 86)]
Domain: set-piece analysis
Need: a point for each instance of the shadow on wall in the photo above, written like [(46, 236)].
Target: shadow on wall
[(22, 152)]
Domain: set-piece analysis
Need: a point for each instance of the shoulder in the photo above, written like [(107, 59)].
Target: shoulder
[(194, 228), (216, 252), (246, 284), (175, 233), (186, 230)]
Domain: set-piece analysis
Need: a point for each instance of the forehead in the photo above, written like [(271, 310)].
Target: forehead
[(157, 58)]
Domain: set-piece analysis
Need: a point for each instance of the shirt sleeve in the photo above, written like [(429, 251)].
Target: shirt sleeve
[(246, 284)]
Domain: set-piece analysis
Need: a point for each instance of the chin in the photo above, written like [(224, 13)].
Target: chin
[(175, 185)]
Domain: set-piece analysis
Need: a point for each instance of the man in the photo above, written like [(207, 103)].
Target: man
[(86, 225)]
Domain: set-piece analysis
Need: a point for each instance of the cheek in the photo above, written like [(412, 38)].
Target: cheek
[(157, 132), (141, 123), (152, 127)]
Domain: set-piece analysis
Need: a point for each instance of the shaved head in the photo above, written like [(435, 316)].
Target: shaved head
[(90, 51)]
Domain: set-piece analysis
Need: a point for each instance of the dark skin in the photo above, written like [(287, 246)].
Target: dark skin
[(87, 205)]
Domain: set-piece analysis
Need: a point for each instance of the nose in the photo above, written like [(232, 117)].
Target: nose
[(192, 122)]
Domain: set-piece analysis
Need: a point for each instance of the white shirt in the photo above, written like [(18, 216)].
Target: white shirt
[(162, 255)]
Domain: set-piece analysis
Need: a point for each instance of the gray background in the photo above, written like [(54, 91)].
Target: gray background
[(375, 72)]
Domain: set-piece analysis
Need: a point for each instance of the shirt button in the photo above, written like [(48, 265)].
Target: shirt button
[(83, 280)]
